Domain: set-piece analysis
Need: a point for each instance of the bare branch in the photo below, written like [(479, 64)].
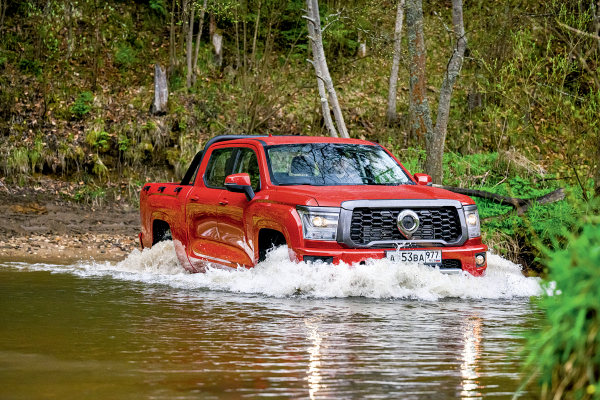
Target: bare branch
[(561, 92), (306, 17), (327, 26), (591, 35)]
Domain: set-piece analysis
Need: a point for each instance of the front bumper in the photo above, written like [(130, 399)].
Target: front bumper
[(465, 254)]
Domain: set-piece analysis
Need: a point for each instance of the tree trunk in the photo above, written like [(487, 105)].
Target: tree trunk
[(217, 40), (69, 9), (319, 58), (237, 40), (256, 34), (96, 47), (420, 117), (392, 116), (435, 146), (322, 91), (362, 46), (189, 47), (161, 91), (3, 7), (184, 25), (245, 36), (172, 40), (200, 27)]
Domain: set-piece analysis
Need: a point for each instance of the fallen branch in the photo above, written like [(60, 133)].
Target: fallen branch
[(521, 205)]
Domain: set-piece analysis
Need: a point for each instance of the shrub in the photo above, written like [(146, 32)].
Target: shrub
[(82, 105), (98, 140), (159, 7), (30, 67), (125, 55), (566, 351)]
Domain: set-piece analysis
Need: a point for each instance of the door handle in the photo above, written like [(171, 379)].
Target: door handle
[(195, 198), (224, 202)]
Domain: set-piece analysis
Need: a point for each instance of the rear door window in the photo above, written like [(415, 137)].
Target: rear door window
[(219, 166)]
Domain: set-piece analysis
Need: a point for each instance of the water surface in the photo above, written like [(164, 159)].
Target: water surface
[(144, 328)]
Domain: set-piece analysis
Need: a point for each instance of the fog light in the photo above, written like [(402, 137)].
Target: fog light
[(480, 260)]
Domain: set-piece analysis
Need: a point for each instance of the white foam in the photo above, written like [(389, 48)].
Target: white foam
[(279, 277)]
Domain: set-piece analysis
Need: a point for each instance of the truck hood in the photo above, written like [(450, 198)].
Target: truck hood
[(334, 196)]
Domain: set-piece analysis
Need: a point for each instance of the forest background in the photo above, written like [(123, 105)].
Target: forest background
[(77, 93), (78, 115)]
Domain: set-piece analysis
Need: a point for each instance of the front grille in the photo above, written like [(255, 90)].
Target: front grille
[(370, 225), (451, 264)]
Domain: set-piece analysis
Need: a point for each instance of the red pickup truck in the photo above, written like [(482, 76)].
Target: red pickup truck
[(328, 200)]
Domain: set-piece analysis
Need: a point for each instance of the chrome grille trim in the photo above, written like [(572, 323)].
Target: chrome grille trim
[(347, 210)]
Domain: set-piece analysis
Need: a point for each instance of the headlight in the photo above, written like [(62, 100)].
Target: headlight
[(472, 219), (319, 223)]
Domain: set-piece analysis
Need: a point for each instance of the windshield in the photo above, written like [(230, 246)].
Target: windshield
[(332, 164)]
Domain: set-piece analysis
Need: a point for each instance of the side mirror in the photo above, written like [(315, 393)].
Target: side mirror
[(240, 183), (423, 179)]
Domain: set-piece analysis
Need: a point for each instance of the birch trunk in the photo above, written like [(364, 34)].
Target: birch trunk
[(189, 47), (217, 40), (362, 46), (435, 146), (311, 25), (319, 58), (200, 27), (392, 116), (420, 117)]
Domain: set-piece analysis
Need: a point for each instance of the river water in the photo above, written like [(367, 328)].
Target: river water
[(145, 329)]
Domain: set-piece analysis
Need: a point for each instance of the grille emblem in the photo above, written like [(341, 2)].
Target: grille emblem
[(408, 223)]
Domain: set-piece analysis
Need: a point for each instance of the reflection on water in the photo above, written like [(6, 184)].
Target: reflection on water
[(314, 366), (470, 356), (145, 329)]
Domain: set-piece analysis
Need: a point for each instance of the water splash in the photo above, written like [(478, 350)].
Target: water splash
[(277, 276)]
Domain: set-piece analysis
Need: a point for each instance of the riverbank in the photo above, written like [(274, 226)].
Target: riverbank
[(41, 226)]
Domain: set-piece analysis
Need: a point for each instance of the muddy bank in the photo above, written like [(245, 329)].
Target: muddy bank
[(39, 226)]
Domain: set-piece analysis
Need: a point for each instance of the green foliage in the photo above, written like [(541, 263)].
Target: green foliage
[(35, 154), (30, 67), (412, 158), (124, 142), (18, 161), (125, 55), (99, 169), (82, 105), (159, 7), (89, 195), (98, 140), (565, 353)]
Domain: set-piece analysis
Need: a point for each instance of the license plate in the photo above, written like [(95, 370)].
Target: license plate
[(427, 257)]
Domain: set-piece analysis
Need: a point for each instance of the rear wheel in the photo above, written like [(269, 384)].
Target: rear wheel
[(267, 240)]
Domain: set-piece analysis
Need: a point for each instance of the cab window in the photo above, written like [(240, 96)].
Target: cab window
[(218, 168), (247, 162)]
